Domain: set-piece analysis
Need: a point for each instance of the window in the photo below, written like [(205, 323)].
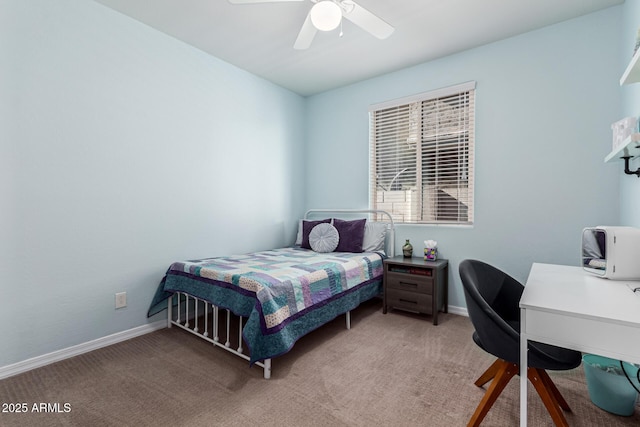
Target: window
[(422, 151)]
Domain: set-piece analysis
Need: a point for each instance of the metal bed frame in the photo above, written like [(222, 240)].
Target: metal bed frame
[(189, 308)]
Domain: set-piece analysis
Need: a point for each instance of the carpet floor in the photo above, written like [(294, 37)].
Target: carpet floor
[(394, 369)]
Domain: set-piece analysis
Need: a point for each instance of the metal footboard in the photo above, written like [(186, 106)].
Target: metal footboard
[(196, 316)]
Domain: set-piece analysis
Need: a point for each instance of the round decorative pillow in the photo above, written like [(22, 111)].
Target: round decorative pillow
[(324, 238)]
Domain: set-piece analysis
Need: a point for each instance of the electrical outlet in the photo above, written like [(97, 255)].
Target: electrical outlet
[(121, 299)]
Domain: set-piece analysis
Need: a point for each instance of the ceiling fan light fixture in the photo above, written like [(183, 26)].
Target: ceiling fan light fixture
[(326, 15)]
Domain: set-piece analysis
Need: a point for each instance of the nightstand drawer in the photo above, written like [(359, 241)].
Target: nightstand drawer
[(410, 282), (411, 301)]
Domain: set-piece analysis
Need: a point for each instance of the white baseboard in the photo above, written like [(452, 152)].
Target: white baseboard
[(65, 353), (460, 311)]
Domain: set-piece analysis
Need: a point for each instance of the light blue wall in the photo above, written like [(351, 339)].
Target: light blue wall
[(121, 151), (544, 104), (629, 184)]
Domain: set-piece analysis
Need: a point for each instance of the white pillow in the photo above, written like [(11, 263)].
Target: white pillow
[(374, 235), (299, 234), (324, 238)]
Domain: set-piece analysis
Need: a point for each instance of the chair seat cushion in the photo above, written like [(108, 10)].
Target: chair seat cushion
[(550, 357), (544, 356)]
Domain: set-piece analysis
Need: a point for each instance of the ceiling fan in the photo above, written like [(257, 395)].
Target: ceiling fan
[(326, 15)]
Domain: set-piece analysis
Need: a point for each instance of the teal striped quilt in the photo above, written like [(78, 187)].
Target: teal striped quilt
[(284, 293)]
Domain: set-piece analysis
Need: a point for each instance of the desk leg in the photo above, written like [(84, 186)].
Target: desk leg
[(523, 369)]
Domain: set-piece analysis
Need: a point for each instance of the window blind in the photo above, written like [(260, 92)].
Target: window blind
[(422, 156)]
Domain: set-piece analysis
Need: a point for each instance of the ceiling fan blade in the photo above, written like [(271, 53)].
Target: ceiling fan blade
[(366, 20), (306, 34), (258, 1)]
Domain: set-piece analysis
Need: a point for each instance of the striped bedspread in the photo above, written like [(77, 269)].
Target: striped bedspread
[(284, 293)]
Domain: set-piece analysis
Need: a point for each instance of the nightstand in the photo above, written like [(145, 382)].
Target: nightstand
[(413, 284)]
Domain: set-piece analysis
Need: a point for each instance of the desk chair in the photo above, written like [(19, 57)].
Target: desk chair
[(492, 299)]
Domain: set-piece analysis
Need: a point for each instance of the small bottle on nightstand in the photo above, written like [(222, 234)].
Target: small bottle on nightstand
[(407, 249)]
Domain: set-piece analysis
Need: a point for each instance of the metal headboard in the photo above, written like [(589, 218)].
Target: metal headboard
[(391, 229)]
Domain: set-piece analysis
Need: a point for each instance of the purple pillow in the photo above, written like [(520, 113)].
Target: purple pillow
[(351, 234), (307, 226)]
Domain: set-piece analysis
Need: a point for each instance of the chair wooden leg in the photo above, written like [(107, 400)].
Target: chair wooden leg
[(502, 373), (490, 373), (548, 397), (544, 376)]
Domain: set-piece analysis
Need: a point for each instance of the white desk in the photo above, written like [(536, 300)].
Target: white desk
[(568, 307)]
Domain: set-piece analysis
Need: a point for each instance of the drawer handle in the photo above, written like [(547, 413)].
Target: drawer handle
[(406, 300), (408, 283)]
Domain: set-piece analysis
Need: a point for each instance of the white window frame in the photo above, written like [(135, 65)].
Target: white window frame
[(422, 151)]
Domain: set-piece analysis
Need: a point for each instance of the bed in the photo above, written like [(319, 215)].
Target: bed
[(258, 305)]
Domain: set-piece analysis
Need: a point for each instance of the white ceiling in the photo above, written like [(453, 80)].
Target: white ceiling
[(259, 37)]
